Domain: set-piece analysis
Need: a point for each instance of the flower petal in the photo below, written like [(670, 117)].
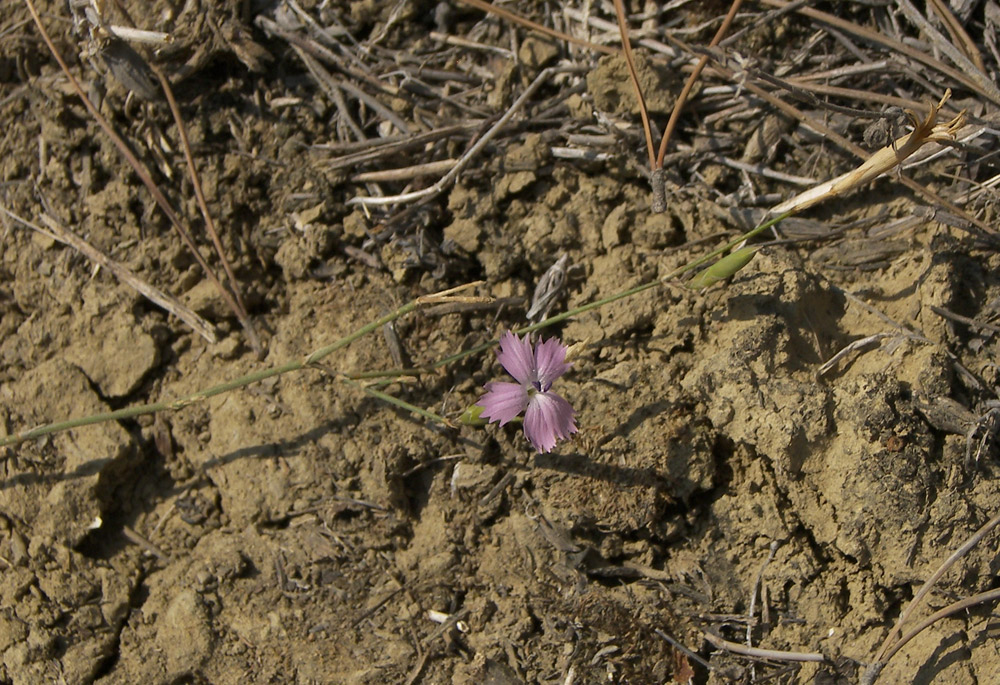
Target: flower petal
[(503, 401), (549, 418), (550, 362), (517, 357)]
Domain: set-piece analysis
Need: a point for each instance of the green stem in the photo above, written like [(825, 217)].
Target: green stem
[(403, 404), (387, 376), (242, 381), (391, 373), (617, 296)]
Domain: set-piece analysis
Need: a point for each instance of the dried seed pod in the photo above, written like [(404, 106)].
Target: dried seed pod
[(549, 288), (130, 69)]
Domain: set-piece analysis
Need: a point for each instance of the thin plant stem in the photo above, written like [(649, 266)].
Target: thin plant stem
[(617, 296), (388, 377), (391, 373), (241, 310), (473, 150), (134, 162), (56, 231), (891, 644), (872, 673), (402, 404), (656, 177), (548, 322), (894, 46), (242, 381), (675, 115), (534, 26), (633, 74), (234, 285)]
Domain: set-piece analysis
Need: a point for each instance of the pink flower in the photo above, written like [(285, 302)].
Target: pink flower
[(547, 416)]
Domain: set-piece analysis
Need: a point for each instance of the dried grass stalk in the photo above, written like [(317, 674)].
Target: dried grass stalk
[(891, 156)]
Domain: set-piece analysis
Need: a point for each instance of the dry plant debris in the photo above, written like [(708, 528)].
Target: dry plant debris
[(766, 471)]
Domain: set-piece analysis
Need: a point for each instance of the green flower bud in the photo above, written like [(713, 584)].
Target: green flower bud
[(724, 268), (470, 417)]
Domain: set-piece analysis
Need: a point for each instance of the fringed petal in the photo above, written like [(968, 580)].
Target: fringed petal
[(503, 401), (548, 419), (517, 357), (550, 361)]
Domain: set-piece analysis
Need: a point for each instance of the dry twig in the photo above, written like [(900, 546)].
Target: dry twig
[(168, 302), (895, 640), (757, 653), (138, 166), (472, 152), (234, 287)]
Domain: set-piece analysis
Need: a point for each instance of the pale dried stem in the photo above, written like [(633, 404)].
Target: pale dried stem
[(950, 610), (325, 79), (721, 69), (804, 88), (460, 42), (134, 35), (559, 152), (168, 92), (882, 161), (760, 170), (851, 347), (894, 45), (517, 19), (757, 653), (958, 34), (136, 165), (802, 82), (472, 152), (171, 304), (605, 25), (957, 56), (241, 311), (143, 542), (676, 644), (326, 83), (405, 173), (845, 144), (354, 153), (675, 115), (891, 644)]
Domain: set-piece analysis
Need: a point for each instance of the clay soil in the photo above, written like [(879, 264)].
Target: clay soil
[(302, 531)]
